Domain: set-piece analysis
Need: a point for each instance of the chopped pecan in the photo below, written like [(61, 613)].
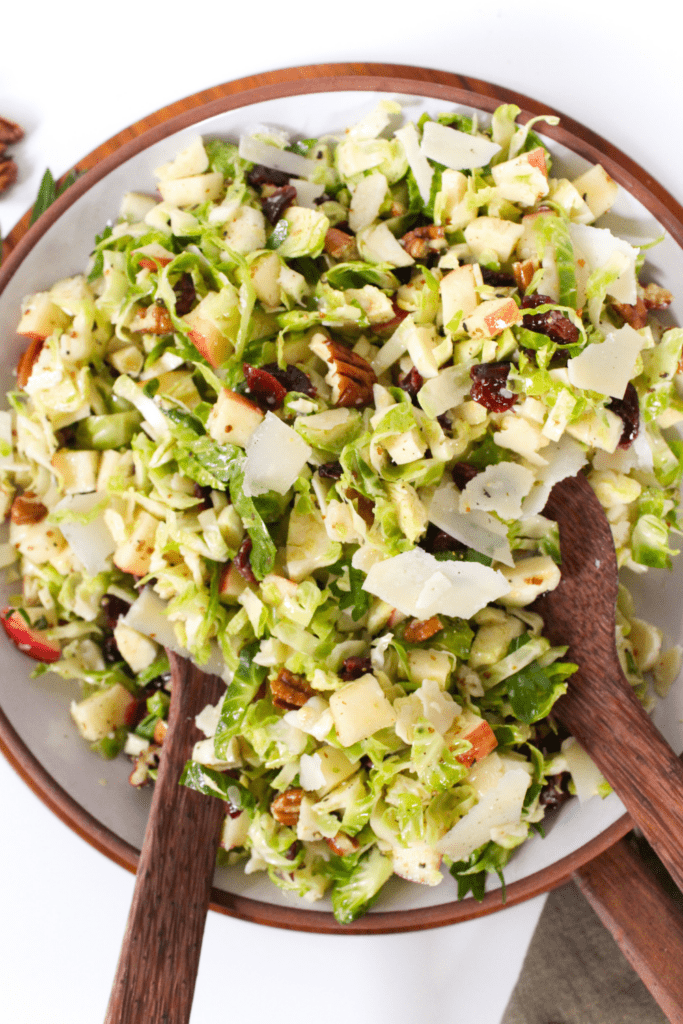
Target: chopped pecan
[(340, 245), (160, 730), (341, 844), (10, 132), (27, 509), (656, 297), (350, 376), (289, 691), (8, 173), (27, 359), (523, 272), (285, 807), (419, 630), (635, 315), (153, 320), (419, 242)]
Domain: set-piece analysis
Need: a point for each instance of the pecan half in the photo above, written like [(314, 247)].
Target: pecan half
[(340, 245), (350, 376), (10, 131), (153, 320), (656, 297), (8, 173), (27, 509), (523, 272), (27, 359), (635, 315), (419, 630), (290, 692), (285, 807), (419, 242)]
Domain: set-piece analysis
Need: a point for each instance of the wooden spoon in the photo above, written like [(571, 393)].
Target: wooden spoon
[(600, 708), (157, 968)]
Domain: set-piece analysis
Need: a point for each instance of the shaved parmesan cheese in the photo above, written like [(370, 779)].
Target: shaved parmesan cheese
[(477, 530), (456, 149), (378, 244), (89, 538), (259, 152), (594, 249), (276, 455), (500, 488), (374, 123), (607, 367), (307, 192), (413, 582), (366, 201), (446, 390), (501, 805), (563, 459), (419, 164)]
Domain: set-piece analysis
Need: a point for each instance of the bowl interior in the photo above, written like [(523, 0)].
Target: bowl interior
[(93, 795)]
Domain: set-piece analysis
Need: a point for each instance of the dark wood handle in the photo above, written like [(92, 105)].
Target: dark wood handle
[(643, 919), (638, 763), (157, 968)]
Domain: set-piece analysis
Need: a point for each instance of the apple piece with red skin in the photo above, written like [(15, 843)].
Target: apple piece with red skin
[(214, 324), (479, 733), (28, 640), (41, 317)]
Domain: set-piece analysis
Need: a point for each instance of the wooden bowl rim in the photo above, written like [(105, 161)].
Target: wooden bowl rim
[(317, 78)]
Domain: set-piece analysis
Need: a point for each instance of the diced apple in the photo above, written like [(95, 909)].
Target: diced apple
[(265, 277), (597, 189), (231, 585), (135, 206), (191, 160), (40, 317), (193, 190), (76, 470), (459, 292), (327, 768), (492, 234), (101, 712), (360, 709), (32, 642), (479, 733), (233, 419), (235, 830), (214, 323), (524, 179), (417, 863), (135, 554), (138, 650), (246, 231), (492, 317)]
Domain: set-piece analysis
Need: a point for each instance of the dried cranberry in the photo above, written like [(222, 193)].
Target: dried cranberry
[(490, 386), (462, 473), (110, 651), (497, 278), (275, 204), (114, 608), (330, 471), (444, 421), (291, 378), (628, 409), (242, 561), (135, 713), (264, 387), (204, 495), (354, 668), (533, 299), (555, 792), (410, 382), (261, 175), (554, 325), (185, 294), (436, 540)]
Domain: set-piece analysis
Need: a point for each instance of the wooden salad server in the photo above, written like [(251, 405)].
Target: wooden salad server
[(157, 969), (602, 712)]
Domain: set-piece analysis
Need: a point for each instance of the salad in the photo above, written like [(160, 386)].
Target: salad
[(298, 420)]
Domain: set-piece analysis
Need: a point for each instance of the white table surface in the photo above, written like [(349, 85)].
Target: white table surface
[(74, 75)]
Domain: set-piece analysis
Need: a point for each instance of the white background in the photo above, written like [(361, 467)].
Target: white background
[(75, 75)]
